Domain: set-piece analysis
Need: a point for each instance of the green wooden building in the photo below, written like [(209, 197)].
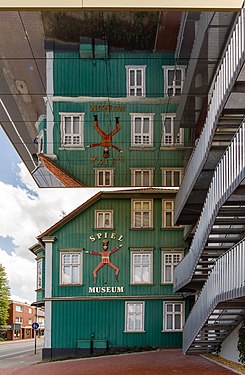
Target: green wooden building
[(105, 274), (134, 96)]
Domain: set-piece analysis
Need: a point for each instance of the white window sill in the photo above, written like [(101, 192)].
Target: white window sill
[(78, 148), (142, 148)]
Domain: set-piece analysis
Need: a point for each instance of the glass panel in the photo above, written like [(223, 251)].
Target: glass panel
[(137, 205), (146, 125), (100, 219), (137, 258), (168, 277), (177, 321), (170, 77), (66, 259), (177, 91), (138, 92), (177, 308), (101, 178), (131, 77), (76, 125), (138, 325), (169, 307), (131, 92), (68, 125), (107, 178), (169, 321), (137, 178), (139, 77), (167, 124), (176, 178), (130, 307), (75, 275), (66, 275), (146, 274), (137, 274), (178, 77), (168, 216), (146, 205), (75, 259), (130, 323), (146, 219), (108, 219), (168, 178), (138, 308), (168, 205), (137, 219), (137, 125), (146, 178)]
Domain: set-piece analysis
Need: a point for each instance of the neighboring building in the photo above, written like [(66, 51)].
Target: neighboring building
[(110, 117), (21, 317), (105, 274), (211, 197)]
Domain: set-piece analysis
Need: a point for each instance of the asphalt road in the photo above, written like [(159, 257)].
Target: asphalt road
[(19, 353)]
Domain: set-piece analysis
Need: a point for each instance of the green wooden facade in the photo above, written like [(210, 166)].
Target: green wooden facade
[(86, 85), (95, 312)]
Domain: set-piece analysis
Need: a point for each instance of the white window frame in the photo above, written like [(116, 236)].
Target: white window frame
[(19, 308), (39, 274), (141, 171), (104, 170), (30, 321), (172, 171), (142, 116), (168, 137), (173, 313), (19, 319), (30, 310), (80, 134), (134, 314), (135, 253), (174, 86), (41, 142), (142, 211), (171, 265), (62, 277), (135, 87), (103, 213), (166, 210)]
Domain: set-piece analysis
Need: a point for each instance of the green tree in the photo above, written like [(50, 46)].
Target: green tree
[(4, 296)]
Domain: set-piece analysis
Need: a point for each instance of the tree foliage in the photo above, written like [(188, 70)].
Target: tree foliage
[(4, 296)]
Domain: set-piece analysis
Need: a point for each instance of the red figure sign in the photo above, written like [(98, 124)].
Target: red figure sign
[(105, 259), (106, 138)]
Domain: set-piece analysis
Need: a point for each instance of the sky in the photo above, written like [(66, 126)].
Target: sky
[(26, 211)]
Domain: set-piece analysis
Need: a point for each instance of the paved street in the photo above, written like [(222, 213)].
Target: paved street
[(19, 353), (162, 362)]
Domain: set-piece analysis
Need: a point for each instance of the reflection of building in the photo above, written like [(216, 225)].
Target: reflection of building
[(21, 317), (134, 307), (211, 197), (142, 89)]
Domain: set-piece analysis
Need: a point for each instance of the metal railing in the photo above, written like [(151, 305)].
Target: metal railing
[(228, 175), (227, 73), (226, 282)]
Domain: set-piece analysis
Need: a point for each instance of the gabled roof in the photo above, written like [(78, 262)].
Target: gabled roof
[(65, 178), (131, 193)]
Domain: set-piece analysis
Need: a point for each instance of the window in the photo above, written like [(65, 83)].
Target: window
[(18, 320), (141, 267), (142, 177), (70, 268), (173, 316), (168, 213), (104, 219), (30, 310), (104, 177), (173, 80), (39, 274), (171, 177), (134, 317), (29, 321), (72, 125), (142, 129), (169, 261), (41, 142), (18, 308), (168, 131), (142, 214), (135, 80)]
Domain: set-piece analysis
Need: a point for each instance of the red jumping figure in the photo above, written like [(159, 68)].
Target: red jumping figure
[(106, 138), (105, 259)]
